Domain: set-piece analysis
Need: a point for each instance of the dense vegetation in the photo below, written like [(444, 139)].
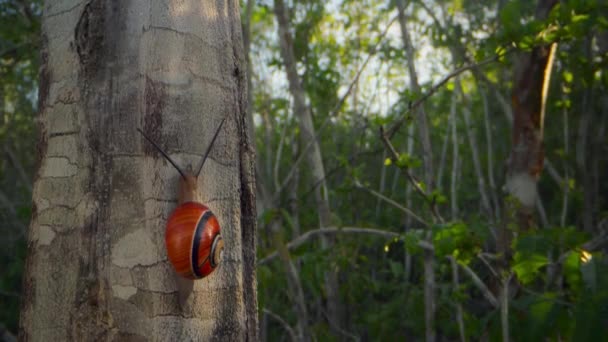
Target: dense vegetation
[(392, 220)]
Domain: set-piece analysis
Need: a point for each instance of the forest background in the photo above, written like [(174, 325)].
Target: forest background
[(391, 226)]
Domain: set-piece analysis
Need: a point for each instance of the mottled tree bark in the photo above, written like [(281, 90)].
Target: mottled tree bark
[(97, 267), (525, 162)]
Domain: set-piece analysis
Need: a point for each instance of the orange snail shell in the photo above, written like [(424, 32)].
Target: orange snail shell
[(193, 240)]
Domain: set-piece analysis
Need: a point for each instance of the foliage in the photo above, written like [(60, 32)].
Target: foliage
[(19, 41), (561, 291)]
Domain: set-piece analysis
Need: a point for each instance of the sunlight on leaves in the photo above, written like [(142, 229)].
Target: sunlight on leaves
[(527, 266)]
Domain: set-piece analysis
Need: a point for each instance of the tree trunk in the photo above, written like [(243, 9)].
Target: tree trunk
[(315, 161), (525, 163), (427, 158), (490, 149), (421, 119), (97, 267), (455, 159), (470, 131)]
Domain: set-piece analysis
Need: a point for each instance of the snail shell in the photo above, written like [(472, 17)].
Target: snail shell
[(193, 240)]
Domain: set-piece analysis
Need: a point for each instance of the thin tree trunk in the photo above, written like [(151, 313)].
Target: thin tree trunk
[(504, 309), (444, 152), (295, 285), (315, 161), (421, 119), (97, 267), (459, 311), (382, 184), (427, 158), (453, 178), (490, 156), (294, 208), (408, 186), (481, 184), (429, 295)]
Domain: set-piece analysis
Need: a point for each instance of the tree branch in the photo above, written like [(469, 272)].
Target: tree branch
[(395, 127), (335, 110), (389, 235), (300, 240), (485, 291), (393, 203), (415, 183), (286, 326)]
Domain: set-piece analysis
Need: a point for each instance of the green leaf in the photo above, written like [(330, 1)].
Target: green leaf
[(411, 240), (527, 266)]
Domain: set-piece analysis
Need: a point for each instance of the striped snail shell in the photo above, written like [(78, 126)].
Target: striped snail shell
[(193, 240)]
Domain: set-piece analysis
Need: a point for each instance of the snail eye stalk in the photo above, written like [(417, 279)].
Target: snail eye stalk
[(210, 146), (163, 153)]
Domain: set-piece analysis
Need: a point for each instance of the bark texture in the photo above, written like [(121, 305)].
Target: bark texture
[(97, 267), (525, 162)]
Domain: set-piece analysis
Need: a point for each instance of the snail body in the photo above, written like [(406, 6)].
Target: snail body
[(192, 236)]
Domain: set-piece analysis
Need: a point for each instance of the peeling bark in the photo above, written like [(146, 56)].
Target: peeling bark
[(97, 267), (525, 162)]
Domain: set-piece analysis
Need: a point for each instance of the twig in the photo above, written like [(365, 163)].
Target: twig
[(553, 173), (415, 183), (355, 230), (456, 285), (589, 246), (393, 203), (485, 291), (277, 162), (395, 127), (395, 158), (286, 326), (504, 308), (335, 110), (481, 257), (300, 240), (338, 329), (547, 299)]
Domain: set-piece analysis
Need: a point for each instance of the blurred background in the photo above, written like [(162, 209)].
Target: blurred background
[(353, 67)]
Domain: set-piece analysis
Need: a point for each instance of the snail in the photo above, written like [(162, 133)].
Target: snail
[(192, 237)]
